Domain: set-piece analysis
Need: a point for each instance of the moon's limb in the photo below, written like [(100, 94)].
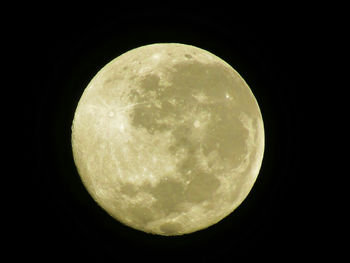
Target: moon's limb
[(168, 139)]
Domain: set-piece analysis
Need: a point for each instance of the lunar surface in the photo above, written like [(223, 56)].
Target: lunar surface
[(168, 139)]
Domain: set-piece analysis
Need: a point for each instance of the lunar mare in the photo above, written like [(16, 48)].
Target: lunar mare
[(168, 139)]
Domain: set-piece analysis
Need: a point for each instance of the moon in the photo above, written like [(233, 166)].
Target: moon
[(168, 139)]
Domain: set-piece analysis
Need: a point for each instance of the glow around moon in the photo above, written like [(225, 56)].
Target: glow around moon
[(168, 139)]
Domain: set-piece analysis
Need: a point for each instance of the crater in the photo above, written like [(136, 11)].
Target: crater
[(107, 81), (171, 228), (128, 189), (140, 214)]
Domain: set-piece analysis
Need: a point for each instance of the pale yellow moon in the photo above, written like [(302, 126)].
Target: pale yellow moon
[(168, 138)]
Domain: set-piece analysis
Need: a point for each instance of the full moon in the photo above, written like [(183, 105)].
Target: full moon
[(168, 139)]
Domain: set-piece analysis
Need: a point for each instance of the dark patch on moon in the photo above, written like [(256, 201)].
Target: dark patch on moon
[(212, 79), (146, 113), (202, 187), (230, 135), (169, 194)]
